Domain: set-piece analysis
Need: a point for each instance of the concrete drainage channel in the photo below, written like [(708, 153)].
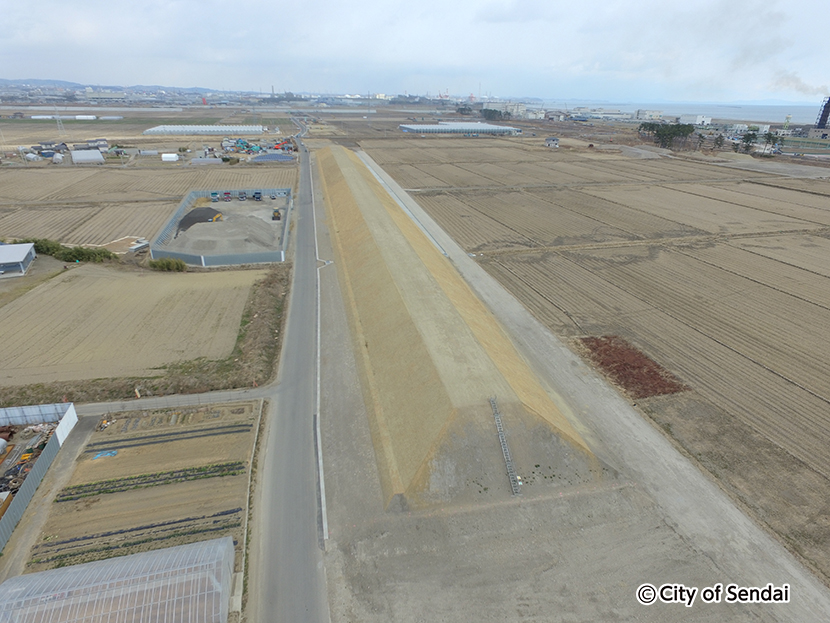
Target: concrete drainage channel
[(242, 233)]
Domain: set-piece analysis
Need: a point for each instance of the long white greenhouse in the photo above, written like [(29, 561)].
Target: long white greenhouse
[(182, 584), (211, 130), (459, 127)]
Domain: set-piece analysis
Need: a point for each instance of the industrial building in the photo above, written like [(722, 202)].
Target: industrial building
[(15, 259), (208, 130), (460, 127), (517, 110), (695, 119)]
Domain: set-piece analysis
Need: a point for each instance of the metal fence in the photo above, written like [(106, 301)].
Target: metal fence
[(157, 249), (27, 491)]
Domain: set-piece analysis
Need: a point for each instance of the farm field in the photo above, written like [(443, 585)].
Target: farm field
[(97, 206), (98, 322), (718, 275), (485, 162), (153, 479), (65, 184)]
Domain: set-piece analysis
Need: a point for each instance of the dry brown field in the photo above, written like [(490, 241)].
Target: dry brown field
[(98, 322), (719, 275), (118, 184), (87, 206), (153, 479)]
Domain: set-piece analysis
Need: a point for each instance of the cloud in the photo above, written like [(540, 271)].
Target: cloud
[(709, 49)]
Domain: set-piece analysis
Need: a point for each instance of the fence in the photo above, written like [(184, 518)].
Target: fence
[(45, 413), (158, 251)]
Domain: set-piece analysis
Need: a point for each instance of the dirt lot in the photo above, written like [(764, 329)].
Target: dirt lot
[(245, 227), (95, 321), (153, 479), (716, 274)]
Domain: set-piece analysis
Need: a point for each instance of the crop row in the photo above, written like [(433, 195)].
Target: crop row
[(141, 481)]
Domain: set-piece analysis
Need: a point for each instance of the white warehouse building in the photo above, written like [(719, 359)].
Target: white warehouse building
[(695, 119)]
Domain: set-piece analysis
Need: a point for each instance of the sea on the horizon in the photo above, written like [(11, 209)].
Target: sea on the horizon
[(774, 114)]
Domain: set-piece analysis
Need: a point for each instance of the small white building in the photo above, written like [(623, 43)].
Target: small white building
[(552, 142), (15, 259), (695, 120), (170, 157)]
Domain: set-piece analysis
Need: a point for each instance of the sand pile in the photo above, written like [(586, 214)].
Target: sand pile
[(237, 233)]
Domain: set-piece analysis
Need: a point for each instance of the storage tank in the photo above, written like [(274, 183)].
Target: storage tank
[(57, 159), (169, 157)]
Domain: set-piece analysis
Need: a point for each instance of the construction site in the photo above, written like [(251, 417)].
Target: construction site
[(642, 263), (546, 376)]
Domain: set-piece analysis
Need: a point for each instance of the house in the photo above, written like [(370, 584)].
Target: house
[(552, 142)]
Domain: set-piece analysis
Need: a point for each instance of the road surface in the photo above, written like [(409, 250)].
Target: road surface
[(286, 574), (286, 577)]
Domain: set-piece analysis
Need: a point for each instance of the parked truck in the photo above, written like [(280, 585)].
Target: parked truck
[(214, 197), (257, 195), (276, 215)]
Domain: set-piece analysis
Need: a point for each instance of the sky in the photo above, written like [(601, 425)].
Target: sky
[(645, 51)]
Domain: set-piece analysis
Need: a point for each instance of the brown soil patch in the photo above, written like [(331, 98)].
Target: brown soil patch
[(153, 479), (251, 362), (629, 368)]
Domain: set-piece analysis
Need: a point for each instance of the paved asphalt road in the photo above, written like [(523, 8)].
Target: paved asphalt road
[(286, 574), (287, 578)]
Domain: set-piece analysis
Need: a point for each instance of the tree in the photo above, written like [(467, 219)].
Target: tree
[(769, 138), (700, 140), (719, 140), (648, 127), (464, 110), (492, 115), (665, 135), (749, 139)]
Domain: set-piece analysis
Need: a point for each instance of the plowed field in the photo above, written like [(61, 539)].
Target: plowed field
[(94, 322), (97, 206), (720, 276)]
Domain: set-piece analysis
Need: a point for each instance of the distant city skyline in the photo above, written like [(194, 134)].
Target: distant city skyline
[(714, 51)]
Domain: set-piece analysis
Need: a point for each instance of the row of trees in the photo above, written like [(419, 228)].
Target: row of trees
[(666, 135)]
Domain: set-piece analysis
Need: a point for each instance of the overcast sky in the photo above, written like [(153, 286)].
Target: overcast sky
[(650, 50)]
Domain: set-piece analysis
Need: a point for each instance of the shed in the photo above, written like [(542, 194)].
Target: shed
[(170, 157), (87, 156), (551, 141), (15, 259)]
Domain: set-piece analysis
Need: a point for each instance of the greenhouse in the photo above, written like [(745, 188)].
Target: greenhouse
[(210, 130), (459, 127), (180, 584)]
